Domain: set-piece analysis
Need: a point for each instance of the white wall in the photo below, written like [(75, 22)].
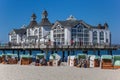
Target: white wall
[(105, 36), (91, 37), (51, 37), (9, 38)]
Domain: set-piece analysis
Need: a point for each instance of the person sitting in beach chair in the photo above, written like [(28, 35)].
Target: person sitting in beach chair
[(37, 61), (85, 63), (43, 62), (11, 60), (75, 62)]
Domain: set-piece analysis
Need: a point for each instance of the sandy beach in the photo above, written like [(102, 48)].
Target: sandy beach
[(31, 72)]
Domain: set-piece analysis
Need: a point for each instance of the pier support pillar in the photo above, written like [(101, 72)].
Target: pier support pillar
[(109, 52), (30, 51), (52, 52), (63, 56), (73, 52), (85, 52), (3, 51), (13, 51), (23, 51), (42, 51), (98, 52), (18, 54), (68, 53)]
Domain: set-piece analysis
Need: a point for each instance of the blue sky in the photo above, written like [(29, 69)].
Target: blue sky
[(15, 13)]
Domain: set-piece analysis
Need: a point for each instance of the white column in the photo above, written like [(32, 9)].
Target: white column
[(90, 37), (98, 37), (105, 37), (65, 36), (51, 37)]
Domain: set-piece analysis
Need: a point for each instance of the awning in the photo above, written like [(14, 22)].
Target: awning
[(40, 55), (81, 56), (26, 56), (55, 56), (106, 57)]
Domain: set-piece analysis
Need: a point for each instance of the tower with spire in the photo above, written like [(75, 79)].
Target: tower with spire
[(33, 21), (44, 14), (45, 26), (33, 17), (45, 21)]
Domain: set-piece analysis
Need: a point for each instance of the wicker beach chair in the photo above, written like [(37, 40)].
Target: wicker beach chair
[(116, 61), (106, 62), (72, 61), (12, 58), (26, 59), (94, 61), (41, 60), (54, 59)]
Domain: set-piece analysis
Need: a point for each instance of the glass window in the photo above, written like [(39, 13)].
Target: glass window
[(94, 37), (102, 35)]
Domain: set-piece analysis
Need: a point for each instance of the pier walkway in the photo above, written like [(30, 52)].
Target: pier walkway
[(54, 47)]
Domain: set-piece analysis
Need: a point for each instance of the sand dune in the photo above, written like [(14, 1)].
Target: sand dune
[(30, 72)]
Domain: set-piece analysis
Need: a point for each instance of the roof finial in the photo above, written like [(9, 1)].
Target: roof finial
[(71, 17), (33, 17), (44, 14)]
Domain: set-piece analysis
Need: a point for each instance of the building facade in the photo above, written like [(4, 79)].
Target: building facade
[(67, 32), (36, 33), (77, 32), (17, 36)]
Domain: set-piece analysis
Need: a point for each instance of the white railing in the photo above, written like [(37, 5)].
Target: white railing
[(59, 46)]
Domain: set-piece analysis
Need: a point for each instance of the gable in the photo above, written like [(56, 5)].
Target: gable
[(57, 25)]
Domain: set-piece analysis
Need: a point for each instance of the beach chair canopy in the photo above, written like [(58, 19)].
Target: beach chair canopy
[(55, 56), (97, 57), (72, 57), (26, 56), (0, 55), (116, 60), (94, 56), (106, 57), (40, 55), (11, 55), (116, 57), (81, 56)]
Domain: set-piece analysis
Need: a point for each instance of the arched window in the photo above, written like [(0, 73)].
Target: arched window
[(95, 37), (86, 37), (101, 35), (80, 28)]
